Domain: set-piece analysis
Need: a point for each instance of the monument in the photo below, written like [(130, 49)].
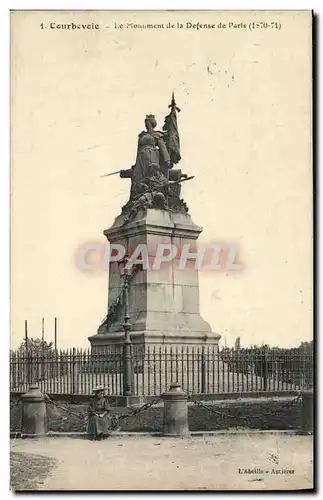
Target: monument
[(163, 301)]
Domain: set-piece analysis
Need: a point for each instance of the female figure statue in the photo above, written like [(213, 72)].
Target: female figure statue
[(151, 150)]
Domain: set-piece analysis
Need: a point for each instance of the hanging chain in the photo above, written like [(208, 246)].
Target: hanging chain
[(51, 401), (144, 407), (116, 418), (248, 417)]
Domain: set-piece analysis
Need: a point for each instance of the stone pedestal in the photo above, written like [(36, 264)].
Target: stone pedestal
[(163, 303), (34, 420)]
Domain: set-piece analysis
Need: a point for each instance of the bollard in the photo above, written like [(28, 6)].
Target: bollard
[(307, 411), (175, 412), (34, 419)]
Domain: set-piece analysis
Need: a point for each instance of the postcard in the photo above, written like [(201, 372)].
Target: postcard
[(161, 250)]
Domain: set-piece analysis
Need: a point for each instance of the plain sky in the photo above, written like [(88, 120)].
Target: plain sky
[(78, 101)]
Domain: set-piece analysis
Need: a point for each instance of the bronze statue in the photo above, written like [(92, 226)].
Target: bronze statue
[(151, 150), (154, 182)]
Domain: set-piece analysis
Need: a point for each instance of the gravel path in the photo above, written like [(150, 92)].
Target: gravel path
[(28, 472), (152, 463)]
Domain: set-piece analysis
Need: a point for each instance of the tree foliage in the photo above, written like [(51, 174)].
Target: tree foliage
[(36, 347)]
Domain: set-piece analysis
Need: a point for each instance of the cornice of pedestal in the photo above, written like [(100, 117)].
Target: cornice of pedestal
[(158, 337), (153, 221)]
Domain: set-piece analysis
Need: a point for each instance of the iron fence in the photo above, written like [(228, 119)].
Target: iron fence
[(199, 369)]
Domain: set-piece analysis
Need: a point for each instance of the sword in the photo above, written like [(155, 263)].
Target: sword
[(180, 181), (113, 173)]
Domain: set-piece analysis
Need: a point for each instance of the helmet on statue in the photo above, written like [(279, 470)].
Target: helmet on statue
[(159, 200)]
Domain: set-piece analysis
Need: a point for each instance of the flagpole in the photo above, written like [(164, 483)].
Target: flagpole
[(42, 330), (173, 108), (55, 335)]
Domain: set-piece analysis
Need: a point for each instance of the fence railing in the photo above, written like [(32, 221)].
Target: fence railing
[(199, 369)]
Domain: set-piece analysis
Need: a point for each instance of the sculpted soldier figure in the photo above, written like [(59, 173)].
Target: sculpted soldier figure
[(150, 191)]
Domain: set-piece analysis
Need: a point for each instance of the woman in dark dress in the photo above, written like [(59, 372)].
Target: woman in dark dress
[(100, 418)]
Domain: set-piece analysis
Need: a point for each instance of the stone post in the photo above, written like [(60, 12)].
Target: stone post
[(307, 411), (175, 412), (34, 419)]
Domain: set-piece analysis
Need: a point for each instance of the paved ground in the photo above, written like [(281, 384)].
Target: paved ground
[(152, 463)]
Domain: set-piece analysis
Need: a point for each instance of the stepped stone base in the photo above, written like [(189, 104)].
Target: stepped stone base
[(163, 303)]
